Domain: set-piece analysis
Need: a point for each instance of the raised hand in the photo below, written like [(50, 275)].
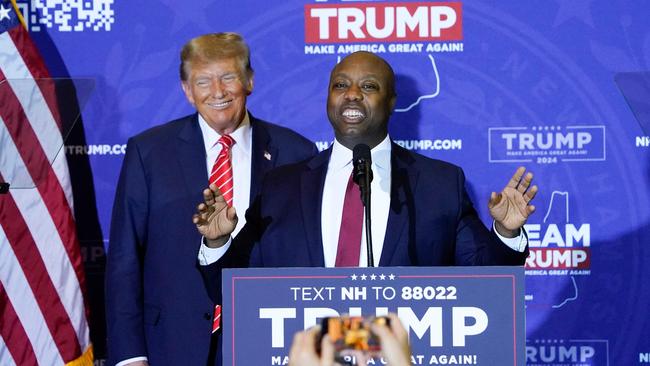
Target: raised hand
[(510, 208), (214, 219)]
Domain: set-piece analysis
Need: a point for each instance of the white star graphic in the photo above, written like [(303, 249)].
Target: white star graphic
[(382, 277), (353, 277), (391, 277), (4, 13), (373, 277), (363, 277)]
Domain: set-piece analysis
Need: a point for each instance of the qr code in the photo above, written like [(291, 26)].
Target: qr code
[(71, 15)]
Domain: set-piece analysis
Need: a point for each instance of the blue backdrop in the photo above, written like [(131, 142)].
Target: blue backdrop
[(557, 86)]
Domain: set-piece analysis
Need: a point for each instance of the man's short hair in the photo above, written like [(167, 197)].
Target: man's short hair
[(216, 47)]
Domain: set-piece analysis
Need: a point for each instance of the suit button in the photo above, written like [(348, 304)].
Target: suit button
[(207, 316)]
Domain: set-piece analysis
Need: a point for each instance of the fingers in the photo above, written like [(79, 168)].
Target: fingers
[(296, 347), (398, 329), (326, 350), (303, 349), (231, 214), (212, 195), (208, 196), (521, 182), (530, 194), (525, 183), (514, 181), (202, 213), (212, 200), (196, 219)]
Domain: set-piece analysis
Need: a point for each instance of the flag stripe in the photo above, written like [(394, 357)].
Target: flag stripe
[(42, 273), (23, 245), (50, 189), (36, 108), (48, 135), (18, 289), (5, 356), (33, 62), (48, 243), (13, 335), (59, 224)]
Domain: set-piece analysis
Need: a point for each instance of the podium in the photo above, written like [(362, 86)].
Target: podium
[(454, 315)]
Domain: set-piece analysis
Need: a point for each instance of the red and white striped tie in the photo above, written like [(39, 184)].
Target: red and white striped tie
[(216, 319), (221, 176)]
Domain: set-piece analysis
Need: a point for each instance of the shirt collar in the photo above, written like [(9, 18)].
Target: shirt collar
[(242, 135), (342, 156)]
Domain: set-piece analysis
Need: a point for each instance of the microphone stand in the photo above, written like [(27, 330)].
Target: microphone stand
[(365, 197), (362, 175)]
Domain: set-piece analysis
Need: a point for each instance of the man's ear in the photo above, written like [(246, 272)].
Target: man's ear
[(249, 85), (188, 92)]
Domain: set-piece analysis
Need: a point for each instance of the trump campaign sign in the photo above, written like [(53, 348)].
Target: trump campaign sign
[(454, 315)]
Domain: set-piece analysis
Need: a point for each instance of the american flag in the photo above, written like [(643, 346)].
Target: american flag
[(43, 317)]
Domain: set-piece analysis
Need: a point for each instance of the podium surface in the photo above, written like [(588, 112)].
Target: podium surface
[(454, 315)]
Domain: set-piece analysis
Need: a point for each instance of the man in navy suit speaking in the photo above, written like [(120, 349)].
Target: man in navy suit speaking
[(421, 212), (158, 310)]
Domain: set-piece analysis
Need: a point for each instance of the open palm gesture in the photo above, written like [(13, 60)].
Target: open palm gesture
[(214, 219), (511, 207)]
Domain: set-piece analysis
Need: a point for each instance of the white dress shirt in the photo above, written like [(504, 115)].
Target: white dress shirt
[(338, 173), (240, 155)]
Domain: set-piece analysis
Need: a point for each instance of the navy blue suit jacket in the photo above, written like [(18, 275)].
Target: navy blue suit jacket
[(431, 221), (156, 302)]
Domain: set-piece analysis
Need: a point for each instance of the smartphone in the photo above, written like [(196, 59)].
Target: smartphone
[(352, 335)]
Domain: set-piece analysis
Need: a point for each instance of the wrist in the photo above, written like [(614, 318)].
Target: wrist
[(507, 233), (215, 243)]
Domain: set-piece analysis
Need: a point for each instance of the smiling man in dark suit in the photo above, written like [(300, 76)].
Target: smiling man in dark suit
[(421, 212), (158, 311)]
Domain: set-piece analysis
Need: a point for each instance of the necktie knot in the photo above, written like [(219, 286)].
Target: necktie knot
[(226, 141)]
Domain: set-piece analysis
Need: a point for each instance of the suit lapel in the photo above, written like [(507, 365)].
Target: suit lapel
[(263, 155), (403, 183), (190, 152), (311, 195)]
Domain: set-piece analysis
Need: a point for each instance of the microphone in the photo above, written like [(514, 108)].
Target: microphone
[(362, 176)]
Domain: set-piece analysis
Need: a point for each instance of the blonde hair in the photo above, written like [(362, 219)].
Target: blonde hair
[(216, 47)]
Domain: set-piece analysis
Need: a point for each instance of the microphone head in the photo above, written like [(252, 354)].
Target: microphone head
[(361, 152), (361, 161)]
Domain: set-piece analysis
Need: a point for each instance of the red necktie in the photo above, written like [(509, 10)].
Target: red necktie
[(349, 248), (221, 176)]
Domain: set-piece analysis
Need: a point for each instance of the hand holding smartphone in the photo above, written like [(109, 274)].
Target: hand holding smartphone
[(352, 336)]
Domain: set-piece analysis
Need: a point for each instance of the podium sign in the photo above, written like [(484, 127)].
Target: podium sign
[(454, 315)]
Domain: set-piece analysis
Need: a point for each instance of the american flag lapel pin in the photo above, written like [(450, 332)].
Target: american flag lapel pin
[(267, 155)]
